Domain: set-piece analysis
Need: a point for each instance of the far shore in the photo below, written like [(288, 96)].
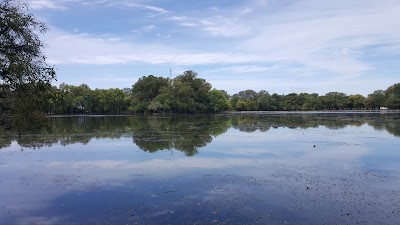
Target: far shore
[(316, 112), (391, 111)]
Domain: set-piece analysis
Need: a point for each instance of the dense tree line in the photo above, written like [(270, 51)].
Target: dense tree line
[(183, 94), (189, 94), (70, 99), (250, 100)]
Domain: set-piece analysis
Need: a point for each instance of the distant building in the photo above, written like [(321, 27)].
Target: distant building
[(383, 108)]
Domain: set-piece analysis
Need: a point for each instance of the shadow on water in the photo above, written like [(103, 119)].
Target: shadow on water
[(186, 133)]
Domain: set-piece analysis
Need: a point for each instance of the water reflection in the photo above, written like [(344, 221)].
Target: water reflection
[(249, 169), (186, 133)]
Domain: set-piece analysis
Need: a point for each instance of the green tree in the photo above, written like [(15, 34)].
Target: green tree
[(263, 101), (247, 100), (23, 68), (55, 101), (146, 89), (276, 102), (248, 94), (77, 99), (218, 101), (356, 101), (184, 94), (199, 86), (184, 98), (293, 102), (28, 104), (335, 100), (81, 96), (376, 99), (234, 100), (310, 101), (167, 100), (393, 96)]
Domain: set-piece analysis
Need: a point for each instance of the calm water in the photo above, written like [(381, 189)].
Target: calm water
[(226, 169)]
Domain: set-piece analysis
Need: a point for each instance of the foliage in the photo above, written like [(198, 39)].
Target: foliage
[(392, 95), (218, 101), (21, 51), (27, 112), (250, 100), (356, 102), (376, 99), (335, 100), (145, 90), (24, 72), (184, 94), (189, 94), (70, 99)]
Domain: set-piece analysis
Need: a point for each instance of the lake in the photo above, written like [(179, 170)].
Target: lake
[(205, 169)]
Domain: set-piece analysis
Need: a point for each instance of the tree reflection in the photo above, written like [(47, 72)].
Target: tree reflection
[(185, 133), (251, 123), (5, 138)]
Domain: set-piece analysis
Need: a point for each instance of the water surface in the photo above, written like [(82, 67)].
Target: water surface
[(219, 169)]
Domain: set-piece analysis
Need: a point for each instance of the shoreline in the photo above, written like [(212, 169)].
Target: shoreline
[(319, 112), (239, 112)]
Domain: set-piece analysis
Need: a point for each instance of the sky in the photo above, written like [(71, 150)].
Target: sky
[(282, 46)]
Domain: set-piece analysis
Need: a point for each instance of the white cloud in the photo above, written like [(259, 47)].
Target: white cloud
[(146, 7), (149, 28), (49, 4), (245, 69), (59, 4), (224, 27), (218, 26), (184, 21), (114, 39), (164, 36), (145, 29), (66, 48)]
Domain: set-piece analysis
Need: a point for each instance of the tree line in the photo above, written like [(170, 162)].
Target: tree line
[(189, 94), (250, 100), (184, 94)]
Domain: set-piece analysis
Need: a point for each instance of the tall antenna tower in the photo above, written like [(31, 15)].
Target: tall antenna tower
[(170, 72)]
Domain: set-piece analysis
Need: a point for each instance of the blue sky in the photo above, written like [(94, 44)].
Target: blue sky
[(281, 46)]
